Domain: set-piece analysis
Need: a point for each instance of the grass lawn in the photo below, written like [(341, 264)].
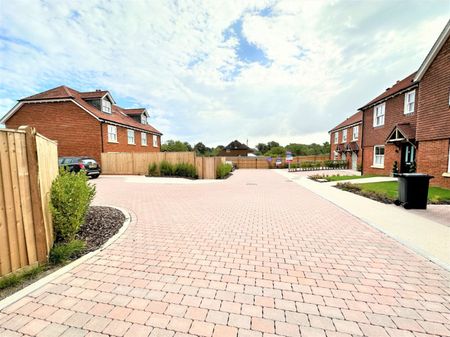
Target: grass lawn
[(389, 190)]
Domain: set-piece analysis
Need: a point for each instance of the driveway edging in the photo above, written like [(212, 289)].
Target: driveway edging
[(47, 279)]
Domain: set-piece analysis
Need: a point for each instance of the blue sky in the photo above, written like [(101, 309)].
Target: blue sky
[(215, 71)]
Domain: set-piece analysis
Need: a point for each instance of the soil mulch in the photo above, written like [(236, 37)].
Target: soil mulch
[(101, 224)]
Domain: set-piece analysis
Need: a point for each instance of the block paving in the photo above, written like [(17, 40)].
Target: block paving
[(253, 256)]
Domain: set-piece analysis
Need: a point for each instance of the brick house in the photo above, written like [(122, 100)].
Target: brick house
[(85, 123), (345, 140), (235, 148), (433, 112), (389, 129)]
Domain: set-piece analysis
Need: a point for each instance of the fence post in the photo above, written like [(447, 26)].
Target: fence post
[(35, 193)]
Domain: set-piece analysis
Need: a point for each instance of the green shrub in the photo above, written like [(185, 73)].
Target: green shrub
[(153, 170), (223, 170), (185, 170), (166, 169), (70, 197), (62, 252)]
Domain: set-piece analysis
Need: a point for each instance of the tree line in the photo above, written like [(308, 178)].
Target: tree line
[(272, 148)]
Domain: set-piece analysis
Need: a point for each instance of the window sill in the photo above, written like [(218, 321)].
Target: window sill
[(114, 142), (377, 167), (446, 174), (144, 145), (131, 144), (408, 113), (378, 126)]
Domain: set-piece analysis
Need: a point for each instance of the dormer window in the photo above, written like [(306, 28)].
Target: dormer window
[(143, 119), (106, 106)]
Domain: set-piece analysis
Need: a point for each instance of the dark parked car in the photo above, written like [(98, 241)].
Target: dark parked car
[(76, 164)]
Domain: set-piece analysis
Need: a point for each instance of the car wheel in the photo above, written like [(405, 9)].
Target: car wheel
[(95, 176)]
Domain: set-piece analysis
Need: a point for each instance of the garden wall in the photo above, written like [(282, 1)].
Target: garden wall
[(28, 165)]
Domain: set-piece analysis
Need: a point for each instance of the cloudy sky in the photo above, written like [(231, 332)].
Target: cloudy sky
[(215, 71)]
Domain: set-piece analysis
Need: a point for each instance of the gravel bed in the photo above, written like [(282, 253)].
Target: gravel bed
[(100, 225)]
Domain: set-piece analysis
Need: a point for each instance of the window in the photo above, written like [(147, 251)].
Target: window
[(378, 156), (143, 139), (378, 114), (336, 137), (335, 155), (355, 132), (410, 98), (106, 106), (130, 134), (143, 119), (112, 134), (344, 135), (155, 141)]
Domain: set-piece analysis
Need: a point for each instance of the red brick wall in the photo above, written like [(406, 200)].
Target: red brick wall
[(393, 115), (391, 154), (434, 111), (77, 133), (433, 159), (123, 146)]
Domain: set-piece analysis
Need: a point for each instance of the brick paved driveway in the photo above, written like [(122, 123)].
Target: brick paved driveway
[(254, 255)]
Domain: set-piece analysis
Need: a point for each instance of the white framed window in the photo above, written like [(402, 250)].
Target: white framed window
[(106, 106), (155, 141), (335, 155), (410, 99), (378, 114), (112, 134), (143, 139), (143, 119), (355, 132), (336, 137), (378, 156), (130, 134), (344, 135)]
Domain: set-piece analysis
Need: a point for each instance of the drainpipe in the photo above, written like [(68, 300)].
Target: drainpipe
[(362, 144)]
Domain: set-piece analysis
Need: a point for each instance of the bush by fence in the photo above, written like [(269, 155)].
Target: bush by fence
[(70, 197), (319, 165), (223, 170), (166, 169)]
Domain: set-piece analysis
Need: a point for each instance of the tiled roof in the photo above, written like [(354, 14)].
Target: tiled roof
[(118, 114), (93, 94), (236, 145), (138, 111), (406, 129), (397, 87), (357, 117)]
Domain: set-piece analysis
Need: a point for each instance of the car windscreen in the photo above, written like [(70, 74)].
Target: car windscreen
[(89, 162)]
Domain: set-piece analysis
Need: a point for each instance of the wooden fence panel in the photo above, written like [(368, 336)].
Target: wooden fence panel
[(47, 153), (138, 162), (199, 166), (262, 163), (25, 181)]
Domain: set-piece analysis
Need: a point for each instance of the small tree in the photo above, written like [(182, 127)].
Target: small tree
[(70, 197)]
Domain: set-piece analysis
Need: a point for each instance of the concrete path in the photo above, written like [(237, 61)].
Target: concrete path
[(256, 255), (426, 231)]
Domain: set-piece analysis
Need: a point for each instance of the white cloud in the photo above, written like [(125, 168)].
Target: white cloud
[(325, 59)]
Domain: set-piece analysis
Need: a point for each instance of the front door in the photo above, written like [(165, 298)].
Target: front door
[(408, 162), (354, 161)]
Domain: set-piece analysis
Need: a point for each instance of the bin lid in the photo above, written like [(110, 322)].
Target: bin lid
[(414, 175)]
